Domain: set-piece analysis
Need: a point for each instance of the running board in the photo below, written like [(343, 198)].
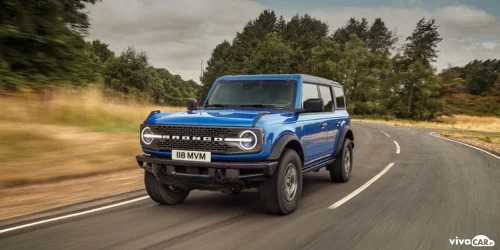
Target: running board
[(318, 167)]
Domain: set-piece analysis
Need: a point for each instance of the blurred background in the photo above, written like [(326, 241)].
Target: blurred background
[(77, 105)]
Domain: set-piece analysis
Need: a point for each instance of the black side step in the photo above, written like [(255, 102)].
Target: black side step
[(318, 167)]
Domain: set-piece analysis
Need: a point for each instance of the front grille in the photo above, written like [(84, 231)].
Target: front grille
[(194, 131), (193, 145), (176, 138)]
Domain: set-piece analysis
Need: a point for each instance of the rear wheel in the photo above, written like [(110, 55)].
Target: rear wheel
[(282, 191), (340, 170), (163, 194)]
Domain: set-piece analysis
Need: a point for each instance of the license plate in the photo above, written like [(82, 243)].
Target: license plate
[(183, 155)]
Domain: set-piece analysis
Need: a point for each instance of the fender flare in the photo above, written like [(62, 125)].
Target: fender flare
[(340, 140), (280, 145)]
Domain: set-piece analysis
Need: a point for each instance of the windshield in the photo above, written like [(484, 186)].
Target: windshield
[(254, 93)]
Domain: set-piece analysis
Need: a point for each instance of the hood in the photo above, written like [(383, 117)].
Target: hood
[(215, 117)]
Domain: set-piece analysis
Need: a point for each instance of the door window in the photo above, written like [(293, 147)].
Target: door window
[(326, 95)]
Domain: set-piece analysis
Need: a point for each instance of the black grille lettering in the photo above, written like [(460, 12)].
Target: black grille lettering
[(196, 138), (185, 137), (218, 139), (176, 137), (207, 138)]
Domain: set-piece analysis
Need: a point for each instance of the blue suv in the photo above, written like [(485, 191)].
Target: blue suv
[(252, 131)]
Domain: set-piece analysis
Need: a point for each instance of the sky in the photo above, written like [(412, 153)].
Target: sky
[(178, 35)]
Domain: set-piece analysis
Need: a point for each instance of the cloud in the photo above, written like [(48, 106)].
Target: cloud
[(464, 20), (177, 34)]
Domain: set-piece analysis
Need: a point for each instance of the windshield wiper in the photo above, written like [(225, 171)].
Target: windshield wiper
[(258, 105)]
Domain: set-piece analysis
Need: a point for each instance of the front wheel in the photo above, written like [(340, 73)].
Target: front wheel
[(340, 170), (281, 193), (163, 194)]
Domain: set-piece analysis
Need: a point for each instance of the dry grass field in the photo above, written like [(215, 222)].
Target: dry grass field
[(74, 134), (458, 122)]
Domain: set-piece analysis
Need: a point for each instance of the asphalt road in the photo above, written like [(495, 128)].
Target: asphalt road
[(436, 190)]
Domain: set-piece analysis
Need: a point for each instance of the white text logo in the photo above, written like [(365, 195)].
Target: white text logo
[(478, 241)]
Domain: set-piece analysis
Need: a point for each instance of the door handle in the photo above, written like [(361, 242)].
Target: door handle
[(323, 124)]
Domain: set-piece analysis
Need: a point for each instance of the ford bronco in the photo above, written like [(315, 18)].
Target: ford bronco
[(251, 132)]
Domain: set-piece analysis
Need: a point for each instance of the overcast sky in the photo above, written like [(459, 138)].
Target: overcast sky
[(177, 35)]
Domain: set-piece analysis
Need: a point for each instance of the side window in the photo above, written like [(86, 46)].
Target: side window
[(339, 97), (309, 91), (326, 95)]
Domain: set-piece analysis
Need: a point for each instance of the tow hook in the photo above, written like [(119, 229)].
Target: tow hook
[(219, 175)]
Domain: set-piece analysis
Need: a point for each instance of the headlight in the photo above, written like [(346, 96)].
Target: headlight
[(248, 140), (147, 136)]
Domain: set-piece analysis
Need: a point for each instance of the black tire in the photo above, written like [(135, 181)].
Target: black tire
[(163, 194), (273, 191), (339, 171)]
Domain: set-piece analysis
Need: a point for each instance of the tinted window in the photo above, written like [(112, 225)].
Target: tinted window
[(280, 93), (339, 97), (326, 95), (309, 91)]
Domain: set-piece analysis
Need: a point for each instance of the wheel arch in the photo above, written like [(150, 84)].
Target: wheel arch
[(290, 141), (346, 132)]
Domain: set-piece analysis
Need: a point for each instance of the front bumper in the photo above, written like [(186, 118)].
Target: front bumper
[(219, 175)]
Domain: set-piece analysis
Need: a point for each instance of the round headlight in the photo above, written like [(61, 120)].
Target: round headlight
[(147, 135), (251, 141)]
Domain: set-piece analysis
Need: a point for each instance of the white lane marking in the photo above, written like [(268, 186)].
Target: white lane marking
[(398, 149), (73, 215), (470, 146), (357, 191), (385, 133)]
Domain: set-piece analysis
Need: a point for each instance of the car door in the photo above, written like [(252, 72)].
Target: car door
[(329, 119), (340, 115), (311, 124)]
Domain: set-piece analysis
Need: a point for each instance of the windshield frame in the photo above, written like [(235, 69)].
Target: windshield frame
[(292, 105)]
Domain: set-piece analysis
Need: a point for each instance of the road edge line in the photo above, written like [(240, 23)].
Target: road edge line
[(73, 214), (463, 143), (360, 189)]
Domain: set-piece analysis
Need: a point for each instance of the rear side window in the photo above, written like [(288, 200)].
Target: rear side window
[(326, 95), (339, 97), (309, 91)]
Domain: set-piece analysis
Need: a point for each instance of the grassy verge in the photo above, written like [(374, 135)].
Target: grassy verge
[(72, 134), (35, 153), (88, 108), (491, 142), (460, 122)]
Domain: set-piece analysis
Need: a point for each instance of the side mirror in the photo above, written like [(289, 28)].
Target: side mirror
[(192, 104), (314, 105)]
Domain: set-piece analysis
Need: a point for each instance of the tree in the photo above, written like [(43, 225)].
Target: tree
[(481, 79), (272, 56), (218, 65), (379, 39), (423, 41), (101, 50), (303, 33), (353, 26), (254, 31), (42, 41)]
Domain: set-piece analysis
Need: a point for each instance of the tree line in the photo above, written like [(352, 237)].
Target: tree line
[(42, 43), (379, 78)]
